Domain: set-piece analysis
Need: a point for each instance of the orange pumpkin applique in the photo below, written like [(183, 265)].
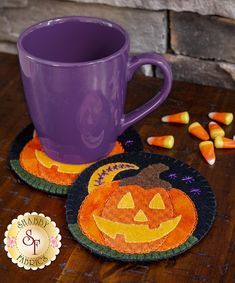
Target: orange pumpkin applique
[(35, 161), (138, 214)]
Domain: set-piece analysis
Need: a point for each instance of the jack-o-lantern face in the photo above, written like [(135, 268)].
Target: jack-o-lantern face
[(150, 211), (35, 161), (133, 219)]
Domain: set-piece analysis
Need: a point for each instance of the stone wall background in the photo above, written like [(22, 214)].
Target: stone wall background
[(196, 36)]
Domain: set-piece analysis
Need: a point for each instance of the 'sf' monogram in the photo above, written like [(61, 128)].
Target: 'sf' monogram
[(29, 240)]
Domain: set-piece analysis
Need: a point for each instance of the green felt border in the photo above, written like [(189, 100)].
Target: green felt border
[(38, 183), (75, 198), (106, 252)]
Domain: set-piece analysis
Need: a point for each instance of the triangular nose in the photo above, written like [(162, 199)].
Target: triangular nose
[(140, 216)]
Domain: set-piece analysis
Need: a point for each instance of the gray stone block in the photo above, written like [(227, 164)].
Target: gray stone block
[(147, 29), (229, 68), (203, 36), (201, 71), (8, 47), (225, 8), (13, 3)]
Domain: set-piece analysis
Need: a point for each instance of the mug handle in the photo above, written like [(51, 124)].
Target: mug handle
[(133, 64)]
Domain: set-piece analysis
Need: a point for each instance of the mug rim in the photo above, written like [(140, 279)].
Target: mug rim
[(64, 19)]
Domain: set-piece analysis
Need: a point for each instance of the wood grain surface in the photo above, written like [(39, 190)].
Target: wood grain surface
[(211, 260)]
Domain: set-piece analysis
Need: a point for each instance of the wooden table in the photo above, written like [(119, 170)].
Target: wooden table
[(212, 260)]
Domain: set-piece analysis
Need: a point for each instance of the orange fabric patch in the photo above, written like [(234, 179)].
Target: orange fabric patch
[(93, 204), (182, 205), (142, 198), (104, 201), (30, 163)]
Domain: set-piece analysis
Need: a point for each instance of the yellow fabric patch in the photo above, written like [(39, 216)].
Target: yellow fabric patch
[(47, 162), (106, 173), (135, 233), (126, 201), (140, 216), (157, 202), (36, 162)]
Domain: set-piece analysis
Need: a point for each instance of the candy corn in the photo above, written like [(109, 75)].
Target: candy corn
[(222, 142), (207, 151), (198, 131), (215, 130), (162, 141), (222, 117), (181, 118)]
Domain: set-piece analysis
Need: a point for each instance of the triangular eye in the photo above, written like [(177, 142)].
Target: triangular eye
[(126, 201), (157, 202)]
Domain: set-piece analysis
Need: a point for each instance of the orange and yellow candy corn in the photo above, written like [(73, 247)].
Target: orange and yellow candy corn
[(222, 142), (207, 151), (222, 117), (181, 118), (215, 130), (162, 141), (198, 131)]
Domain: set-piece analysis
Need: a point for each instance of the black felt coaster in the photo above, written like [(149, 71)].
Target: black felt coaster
[(130, 141), (179, 175)]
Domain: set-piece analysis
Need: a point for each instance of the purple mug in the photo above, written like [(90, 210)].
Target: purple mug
[(75, 72)]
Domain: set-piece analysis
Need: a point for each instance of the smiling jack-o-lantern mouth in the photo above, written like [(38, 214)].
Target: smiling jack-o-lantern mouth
[(135, 219), (35, 161), (135, 233), (47, 162)]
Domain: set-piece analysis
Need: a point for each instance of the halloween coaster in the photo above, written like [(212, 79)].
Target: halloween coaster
[(140, 207), (34, 167)]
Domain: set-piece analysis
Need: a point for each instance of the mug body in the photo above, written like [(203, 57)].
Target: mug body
[(74, 76)]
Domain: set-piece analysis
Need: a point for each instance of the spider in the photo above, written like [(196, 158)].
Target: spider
[(195, 191), (172, 176), (188, 179), (128, 142)]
